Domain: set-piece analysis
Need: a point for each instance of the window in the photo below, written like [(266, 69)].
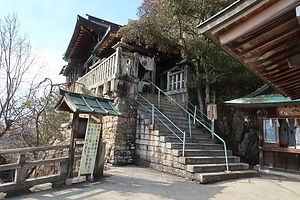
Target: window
[(270, 131)]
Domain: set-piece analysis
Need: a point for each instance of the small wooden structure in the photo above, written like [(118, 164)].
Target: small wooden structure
[(279, 130), (87, 116)]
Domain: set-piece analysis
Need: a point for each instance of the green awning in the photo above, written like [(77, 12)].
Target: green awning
[(262, 97), (81, 103)]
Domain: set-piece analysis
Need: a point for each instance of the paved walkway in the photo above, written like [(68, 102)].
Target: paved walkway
[(136, 183)]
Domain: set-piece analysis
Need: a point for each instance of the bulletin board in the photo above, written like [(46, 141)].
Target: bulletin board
[(90, 148)]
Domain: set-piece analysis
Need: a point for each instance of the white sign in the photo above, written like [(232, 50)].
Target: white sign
[(90, 148)]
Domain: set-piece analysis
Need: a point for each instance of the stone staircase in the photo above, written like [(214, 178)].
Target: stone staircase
[(159, 148)]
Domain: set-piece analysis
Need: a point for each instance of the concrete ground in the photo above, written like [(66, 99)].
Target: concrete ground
[(137, 183)]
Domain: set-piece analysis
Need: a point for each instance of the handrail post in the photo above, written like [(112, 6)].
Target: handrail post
[(195, 113), (212, 128), (183, 144), (158, 103), (190, 127), (20, 173), (152, 110), (226, 157)]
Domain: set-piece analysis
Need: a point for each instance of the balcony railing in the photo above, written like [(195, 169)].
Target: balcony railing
[(119, 63)]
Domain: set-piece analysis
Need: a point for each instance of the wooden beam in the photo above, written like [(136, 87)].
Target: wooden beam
[(256, 21), (285, 75), (277, 27), (287, 83), (277, 57), (32, 149), (270, 48)]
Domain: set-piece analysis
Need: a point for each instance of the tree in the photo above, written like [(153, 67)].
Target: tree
[(27, 115), (26, 104), (16, 62), (169, 24)]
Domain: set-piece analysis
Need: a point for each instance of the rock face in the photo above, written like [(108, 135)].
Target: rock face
[(248, 145), (240, 131)]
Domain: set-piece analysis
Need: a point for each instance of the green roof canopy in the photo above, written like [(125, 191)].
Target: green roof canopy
[(262, 98), (81, 103)]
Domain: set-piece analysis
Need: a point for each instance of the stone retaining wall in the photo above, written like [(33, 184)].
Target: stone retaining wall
[(119, 132), (152, 151)]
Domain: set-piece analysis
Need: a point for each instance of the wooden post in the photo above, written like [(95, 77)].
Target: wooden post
[(20, 174), (62, 173), (99, 165), (261, 143), (168, 81), (72, 149)]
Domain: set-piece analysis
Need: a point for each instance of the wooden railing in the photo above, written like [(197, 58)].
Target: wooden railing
[(101, 72), (176, 79), (119, 63), (26, 162)]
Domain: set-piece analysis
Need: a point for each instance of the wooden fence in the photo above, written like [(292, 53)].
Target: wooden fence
[(25, 163)]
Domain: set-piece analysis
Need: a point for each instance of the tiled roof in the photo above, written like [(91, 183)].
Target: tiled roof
[(81, 103)]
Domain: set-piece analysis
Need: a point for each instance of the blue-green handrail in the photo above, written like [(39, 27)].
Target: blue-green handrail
[(153, 115), (194, 111), (210, 129)]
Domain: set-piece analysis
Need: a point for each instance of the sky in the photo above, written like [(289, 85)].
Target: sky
[(49, 24)]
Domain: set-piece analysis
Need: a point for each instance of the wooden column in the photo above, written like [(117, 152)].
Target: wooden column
[(72, 147), (20, 174), (261, 143)]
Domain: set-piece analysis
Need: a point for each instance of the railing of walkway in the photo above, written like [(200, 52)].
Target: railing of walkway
[(153, 116), (55, 156), (103, 71), (198, 114), (192, 116)]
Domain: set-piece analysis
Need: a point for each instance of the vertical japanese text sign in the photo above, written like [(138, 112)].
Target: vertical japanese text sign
[(90, 146)]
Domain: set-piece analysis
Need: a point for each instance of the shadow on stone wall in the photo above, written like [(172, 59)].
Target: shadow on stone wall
[(240, 131)]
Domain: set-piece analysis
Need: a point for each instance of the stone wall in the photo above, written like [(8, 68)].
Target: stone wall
[(118, 132), (153, 151), (180, 96)]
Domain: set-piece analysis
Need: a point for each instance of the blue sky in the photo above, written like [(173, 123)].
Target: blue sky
[(49, 24)]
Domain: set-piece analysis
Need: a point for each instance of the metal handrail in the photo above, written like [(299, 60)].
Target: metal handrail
[(211, 129), (194, 112), (154, 115)]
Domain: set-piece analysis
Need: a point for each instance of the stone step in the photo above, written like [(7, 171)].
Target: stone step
[(199, 152), (172, 138), (174, 145), (209, 160), (163, 104), (222, 176), (195, 131), (203, 168), (205, 140), (166, 109)]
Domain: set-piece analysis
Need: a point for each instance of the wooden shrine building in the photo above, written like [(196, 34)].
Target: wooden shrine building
[(264, 36), (279, 130)]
